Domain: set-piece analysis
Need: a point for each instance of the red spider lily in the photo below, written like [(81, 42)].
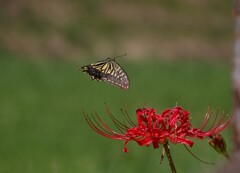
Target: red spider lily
[(172, 125)]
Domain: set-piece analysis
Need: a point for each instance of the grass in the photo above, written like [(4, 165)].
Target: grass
[(42, 128)]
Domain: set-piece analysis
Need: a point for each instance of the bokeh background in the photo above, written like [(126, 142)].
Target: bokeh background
[(179, 52)]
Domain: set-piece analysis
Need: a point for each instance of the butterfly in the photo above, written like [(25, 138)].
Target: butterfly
[(109, 71)]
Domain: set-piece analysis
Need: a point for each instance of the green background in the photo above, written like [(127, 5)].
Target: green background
[(43, 96)]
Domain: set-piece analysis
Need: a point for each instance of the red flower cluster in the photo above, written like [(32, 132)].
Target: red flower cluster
[(171, 125)]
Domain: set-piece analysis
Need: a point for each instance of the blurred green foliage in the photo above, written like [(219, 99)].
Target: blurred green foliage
[(66, 29), (42, 128)]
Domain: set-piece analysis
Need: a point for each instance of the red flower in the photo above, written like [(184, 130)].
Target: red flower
[(152, 128)]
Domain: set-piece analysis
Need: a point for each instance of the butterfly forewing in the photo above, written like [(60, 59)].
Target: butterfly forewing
[(98, 65)]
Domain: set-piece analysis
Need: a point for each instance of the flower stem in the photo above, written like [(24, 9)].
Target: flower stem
[(227, 156), (171, 164)]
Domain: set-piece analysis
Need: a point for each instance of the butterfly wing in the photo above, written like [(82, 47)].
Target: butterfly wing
[(114, 74), (100, 65)]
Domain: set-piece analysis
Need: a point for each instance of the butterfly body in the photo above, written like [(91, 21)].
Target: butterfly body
[(94, 73), (109, 71)]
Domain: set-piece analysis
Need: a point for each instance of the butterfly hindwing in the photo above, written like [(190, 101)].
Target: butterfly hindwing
[(115, 75)]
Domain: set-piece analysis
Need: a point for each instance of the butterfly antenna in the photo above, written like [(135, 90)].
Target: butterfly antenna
[(119, 56)]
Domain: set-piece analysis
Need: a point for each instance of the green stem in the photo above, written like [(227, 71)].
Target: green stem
[(171, 164), (227, 156)]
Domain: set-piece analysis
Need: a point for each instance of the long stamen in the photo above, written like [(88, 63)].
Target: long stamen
[(106, 126), (197, 157), (102, 128), (127, 117), (118, 124), (205, 120), (213, 124), (220, 125), (95, 128)]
